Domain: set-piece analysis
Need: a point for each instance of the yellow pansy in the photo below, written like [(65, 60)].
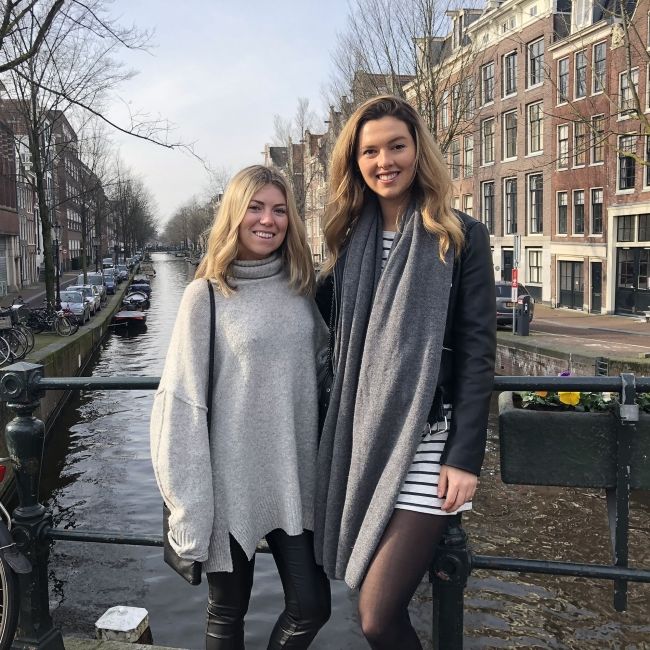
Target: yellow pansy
[(569, 398)]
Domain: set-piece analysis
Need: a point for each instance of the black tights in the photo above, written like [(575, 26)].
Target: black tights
[(402, 557), (306, 595)]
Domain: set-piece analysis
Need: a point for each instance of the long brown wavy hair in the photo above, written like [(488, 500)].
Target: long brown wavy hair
[(431, 187), (223, 242)]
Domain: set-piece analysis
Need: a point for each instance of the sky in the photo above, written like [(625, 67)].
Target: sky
[(219, 71)]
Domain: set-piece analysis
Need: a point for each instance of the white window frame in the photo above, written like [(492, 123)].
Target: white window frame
[(594, 77), (562, 153), (529, 129), (504, 131)]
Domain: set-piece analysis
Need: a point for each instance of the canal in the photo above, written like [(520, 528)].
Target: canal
[(98, 476)]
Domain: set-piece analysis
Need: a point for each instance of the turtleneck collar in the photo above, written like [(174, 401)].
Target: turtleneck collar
[(256, 269)]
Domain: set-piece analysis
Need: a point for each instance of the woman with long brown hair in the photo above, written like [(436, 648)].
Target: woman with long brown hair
[(249, 472), (409, 295)]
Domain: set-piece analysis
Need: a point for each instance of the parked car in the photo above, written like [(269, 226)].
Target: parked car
[(75, 302), (91, 294), (96, 279), (505, 303), (123, 271), (110, 283)]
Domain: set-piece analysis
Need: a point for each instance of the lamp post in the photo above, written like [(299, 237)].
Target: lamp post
[(57, 234)]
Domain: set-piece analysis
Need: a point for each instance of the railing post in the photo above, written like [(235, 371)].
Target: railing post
[(25, 437), (448, 574)]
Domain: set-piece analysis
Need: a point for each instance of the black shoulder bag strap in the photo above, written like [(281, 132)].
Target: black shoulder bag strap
[(211, 370)]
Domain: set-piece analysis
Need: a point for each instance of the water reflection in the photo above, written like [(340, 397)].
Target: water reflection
[(98, 477)]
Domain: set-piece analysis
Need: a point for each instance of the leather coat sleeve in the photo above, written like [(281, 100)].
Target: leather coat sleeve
[(472, 337)]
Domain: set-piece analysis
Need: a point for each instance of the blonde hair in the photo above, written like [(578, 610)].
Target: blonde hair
[(431, 185), (223, 241)]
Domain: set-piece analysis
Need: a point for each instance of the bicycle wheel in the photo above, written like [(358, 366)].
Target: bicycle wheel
[(17, 343), (28, 334), (5, 351), (62, 326), (8, 605)]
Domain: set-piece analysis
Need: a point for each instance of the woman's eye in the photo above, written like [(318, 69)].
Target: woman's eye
[(400, 146), (368, 152), (281, 210), (254, 208)]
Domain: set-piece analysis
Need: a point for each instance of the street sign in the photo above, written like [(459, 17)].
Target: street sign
[(515, 284), (516, 252)]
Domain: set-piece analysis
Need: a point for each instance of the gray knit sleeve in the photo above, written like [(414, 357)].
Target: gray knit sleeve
[(180, 450)]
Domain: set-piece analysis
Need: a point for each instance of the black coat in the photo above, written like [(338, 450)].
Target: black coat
[(467, 365)]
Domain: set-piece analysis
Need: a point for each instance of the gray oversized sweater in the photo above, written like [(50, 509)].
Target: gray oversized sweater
[(257, 472)]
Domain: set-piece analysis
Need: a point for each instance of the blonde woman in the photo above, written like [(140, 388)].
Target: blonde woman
[(255, 476), (409, 293)]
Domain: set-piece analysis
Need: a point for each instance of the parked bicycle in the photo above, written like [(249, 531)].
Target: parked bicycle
[(12, 562), (15, 340), (48, 319)]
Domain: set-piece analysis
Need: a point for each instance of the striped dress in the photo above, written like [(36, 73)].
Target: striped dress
[(420, 488)]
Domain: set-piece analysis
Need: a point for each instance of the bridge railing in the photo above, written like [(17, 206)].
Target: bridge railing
[(23, 384)]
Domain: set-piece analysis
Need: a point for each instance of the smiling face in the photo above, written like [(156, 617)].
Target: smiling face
[(386, 155), (264, 226)]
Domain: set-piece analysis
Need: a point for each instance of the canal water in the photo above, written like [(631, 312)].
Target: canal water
[(98, 476)]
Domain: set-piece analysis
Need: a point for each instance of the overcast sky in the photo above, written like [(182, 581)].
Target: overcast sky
[(220, 71)]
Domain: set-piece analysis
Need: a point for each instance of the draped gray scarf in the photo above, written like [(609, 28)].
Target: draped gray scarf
[(388, 348)]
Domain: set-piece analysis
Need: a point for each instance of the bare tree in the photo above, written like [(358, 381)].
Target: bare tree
[(71, 75), (405, 49), (24, 15)]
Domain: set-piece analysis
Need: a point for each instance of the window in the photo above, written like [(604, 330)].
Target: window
[(455, 202), (468, 204), (487, 141), (456, 102), (469, 156), (625, 228), (535, 62), (455, 159), (647, 161), (563, 146), (579, 212), (487, 205), (597, 139), (468, 97), (581, 74), (625, 273), (535, 265), (535, 203), (509, 74), (562, 81), (487, 83), (510, 134), (510, 206), (626, 162), (535, 128), (444, 110), (598, 66), (562, 208), (579, 144), (644, 227), (597, 212), (628, 84)]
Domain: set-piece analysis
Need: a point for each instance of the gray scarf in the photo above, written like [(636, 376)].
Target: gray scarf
[(388, 348)]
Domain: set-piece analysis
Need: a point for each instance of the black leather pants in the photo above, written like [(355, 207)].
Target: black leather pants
[(306, 595)]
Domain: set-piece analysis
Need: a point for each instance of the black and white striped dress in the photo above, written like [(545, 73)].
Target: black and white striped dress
[(420, 488)]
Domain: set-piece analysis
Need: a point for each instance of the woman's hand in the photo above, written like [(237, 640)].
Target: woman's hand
[(456, 486)]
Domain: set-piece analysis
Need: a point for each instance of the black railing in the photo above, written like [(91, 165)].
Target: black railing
[(22, 385)]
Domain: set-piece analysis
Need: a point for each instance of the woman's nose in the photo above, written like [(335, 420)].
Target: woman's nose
[(384, 159), (266, 217)]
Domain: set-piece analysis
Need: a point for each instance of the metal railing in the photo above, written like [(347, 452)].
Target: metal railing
[(22, 385)]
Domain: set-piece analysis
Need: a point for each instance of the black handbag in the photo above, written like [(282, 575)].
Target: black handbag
[(190, 570), (325, 373)]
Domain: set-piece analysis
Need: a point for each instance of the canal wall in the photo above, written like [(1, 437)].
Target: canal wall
[(524, 355)]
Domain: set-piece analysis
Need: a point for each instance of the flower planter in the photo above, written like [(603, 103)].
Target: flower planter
[(568, 448)]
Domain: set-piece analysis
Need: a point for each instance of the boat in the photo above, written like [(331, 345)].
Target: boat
[(130, 318), (136, 300)]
